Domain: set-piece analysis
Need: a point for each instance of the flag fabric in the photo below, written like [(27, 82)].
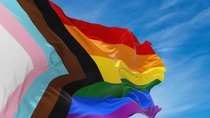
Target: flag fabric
[(56, 66)]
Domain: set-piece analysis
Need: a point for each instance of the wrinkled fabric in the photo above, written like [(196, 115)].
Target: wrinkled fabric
[(58, 66)]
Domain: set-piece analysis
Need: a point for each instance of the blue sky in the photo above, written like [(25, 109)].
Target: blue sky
[(179, 31)]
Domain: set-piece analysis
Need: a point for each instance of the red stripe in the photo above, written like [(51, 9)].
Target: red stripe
[(111, 35)]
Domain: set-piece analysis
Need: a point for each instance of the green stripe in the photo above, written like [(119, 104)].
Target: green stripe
[(101, 89), (128, 86), (105, 89)]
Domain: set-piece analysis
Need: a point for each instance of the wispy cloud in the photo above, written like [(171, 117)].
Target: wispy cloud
[(160, 20), (85, 10), (97, 12), (168, 4), (179, 109), (201, 19), (167, 49), (184, 80), (176, 35)]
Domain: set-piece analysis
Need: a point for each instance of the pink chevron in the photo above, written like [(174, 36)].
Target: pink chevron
[(14, 27)]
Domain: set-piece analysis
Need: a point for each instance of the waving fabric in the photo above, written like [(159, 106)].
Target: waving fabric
[(63, 67)]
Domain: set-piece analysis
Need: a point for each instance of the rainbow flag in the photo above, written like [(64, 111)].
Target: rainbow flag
[(56, 66)]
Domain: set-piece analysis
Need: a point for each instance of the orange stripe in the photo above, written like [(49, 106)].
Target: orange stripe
[(139, 63)]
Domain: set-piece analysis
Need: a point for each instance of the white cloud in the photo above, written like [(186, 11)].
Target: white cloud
[(159, 20), (90, 12), (168, 4), (177, 110), (201, 19), (181, 90), (165, 49), (98, 11), (176, 35)]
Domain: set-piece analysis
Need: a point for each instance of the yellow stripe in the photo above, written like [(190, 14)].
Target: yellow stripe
[(116, 52), (138, 78), (112, 72), (108, 69)]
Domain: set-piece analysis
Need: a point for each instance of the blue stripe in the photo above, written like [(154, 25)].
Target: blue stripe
[(143, 99), (103, 106), (96, 106)]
